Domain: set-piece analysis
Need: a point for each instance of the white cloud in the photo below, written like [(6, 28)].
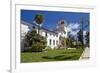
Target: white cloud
[(75, 27), (74, 32)]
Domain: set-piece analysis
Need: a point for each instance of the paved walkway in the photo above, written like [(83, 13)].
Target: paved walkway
[(85, 54)]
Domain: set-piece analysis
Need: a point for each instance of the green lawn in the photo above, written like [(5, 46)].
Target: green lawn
[(52, 55)]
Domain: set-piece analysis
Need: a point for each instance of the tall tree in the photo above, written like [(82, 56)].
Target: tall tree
[(33, 43), (80, 36), (87, 38)]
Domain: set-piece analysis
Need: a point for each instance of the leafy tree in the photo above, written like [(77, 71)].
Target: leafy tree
[(68, 42), (62, 42), (34, 42)]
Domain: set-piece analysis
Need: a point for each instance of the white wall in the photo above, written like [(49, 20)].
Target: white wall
[(24, 29), (51, 36)]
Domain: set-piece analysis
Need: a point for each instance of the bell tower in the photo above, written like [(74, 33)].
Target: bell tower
[(61, 25)]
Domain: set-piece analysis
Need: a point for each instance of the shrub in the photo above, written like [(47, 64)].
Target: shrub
[(35, 42), (38, 47), (48, 48)]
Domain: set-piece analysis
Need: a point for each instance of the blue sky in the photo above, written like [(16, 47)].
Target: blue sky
[(52, 17)]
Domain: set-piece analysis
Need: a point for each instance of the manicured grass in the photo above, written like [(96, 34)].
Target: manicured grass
[(52, 55)]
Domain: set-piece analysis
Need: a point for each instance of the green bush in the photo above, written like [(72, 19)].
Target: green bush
[(48, 48), (38, 47), (35, 42), (79, 45)]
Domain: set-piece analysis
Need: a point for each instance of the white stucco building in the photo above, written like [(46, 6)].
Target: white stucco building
[(52, 36)]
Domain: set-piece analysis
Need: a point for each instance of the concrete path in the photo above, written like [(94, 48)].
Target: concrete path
[(85, 54)]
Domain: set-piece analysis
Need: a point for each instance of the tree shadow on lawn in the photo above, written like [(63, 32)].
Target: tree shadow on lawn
[(62, 57)]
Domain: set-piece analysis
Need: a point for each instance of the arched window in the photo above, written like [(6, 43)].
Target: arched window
[(53, 42), (50, 41), (46, 34), (56, 42)]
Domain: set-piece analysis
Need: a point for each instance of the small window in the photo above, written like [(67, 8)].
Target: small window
[(64, 32), (57, 35), (50, 34), (62, 22), (50, 41), (33, 27), (56, 42), (46, 34), (53, 42), (54, 35)]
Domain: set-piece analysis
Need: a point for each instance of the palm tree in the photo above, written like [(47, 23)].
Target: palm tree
[(39, 20)]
